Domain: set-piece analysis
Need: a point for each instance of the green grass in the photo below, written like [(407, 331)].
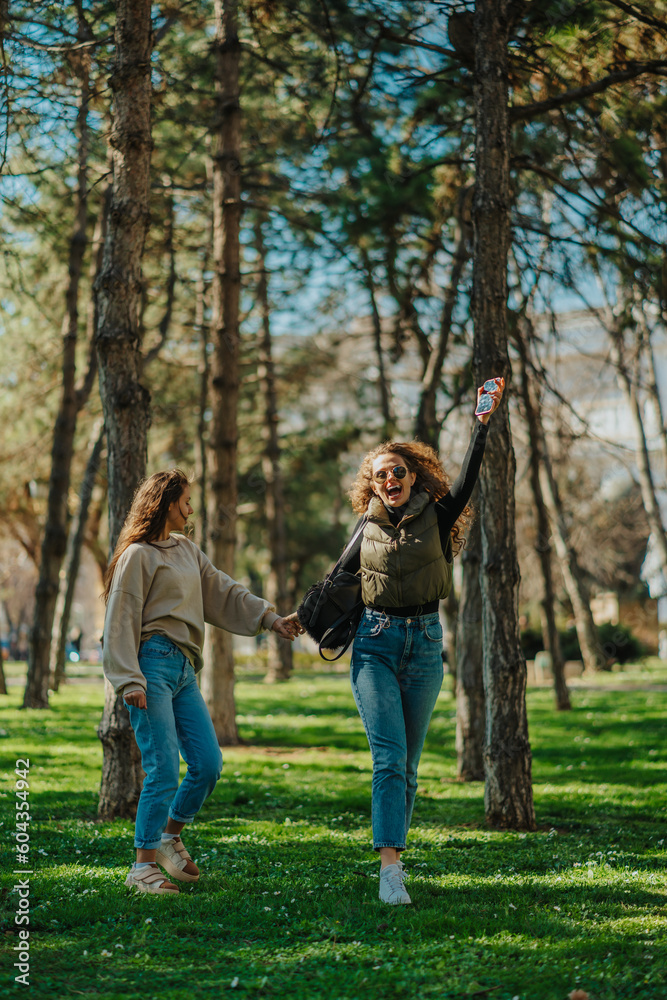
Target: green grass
[(288, 904)]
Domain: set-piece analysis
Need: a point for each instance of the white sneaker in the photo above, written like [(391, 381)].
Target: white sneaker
[(392, 890), (149, 878), (172, 855)]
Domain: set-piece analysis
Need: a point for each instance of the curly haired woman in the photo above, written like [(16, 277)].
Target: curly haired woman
[(414, 524), (160, 589)]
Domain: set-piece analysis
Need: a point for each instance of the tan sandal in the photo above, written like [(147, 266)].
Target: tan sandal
[(173, 857), (150, 879)]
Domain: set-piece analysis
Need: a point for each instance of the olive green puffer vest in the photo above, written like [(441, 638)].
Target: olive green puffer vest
[(404, 565)]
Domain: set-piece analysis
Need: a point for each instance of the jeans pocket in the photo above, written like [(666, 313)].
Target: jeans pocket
[(157, 647), (369, 629), (434, 632)]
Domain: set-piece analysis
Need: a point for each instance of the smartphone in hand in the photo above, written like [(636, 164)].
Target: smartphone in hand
[(485, 403)]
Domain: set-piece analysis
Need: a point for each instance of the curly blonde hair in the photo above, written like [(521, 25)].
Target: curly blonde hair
[(421, 459)]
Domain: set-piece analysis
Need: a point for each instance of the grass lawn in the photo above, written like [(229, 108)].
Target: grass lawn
[(288, 904)]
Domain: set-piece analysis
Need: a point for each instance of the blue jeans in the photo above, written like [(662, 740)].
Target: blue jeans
[(175, 719), (396, 675)]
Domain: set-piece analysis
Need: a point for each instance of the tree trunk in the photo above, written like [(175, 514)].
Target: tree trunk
[(54, 543), (427, 424), (450, 611), (573, 577), (118, 340), (78, 528), (280, 651), (218, 677), (543, 542), (508, 797), (654, 390), (388, 423), (200, 455), (470, 715), (77, 534), (122, 773), (92, 537), (629, 386)]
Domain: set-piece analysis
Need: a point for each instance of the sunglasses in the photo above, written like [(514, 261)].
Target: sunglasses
[(398, 472)]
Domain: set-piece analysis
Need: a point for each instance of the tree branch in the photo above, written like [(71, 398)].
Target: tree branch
[(640, 15), (526, 112)]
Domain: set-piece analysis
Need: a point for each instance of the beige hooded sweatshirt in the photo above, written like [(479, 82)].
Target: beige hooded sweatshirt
[(171, 588)]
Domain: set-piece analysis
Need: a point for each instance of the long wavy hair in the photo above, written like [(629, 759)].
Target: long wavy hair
[(147, 515), (431, 477)]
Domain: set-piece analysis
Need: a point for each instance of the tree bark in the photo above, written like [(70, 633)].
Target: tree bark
[(388, 423), (280, 651), (427, 424), (77, 535), (78, 528), (508, 798), (450, 611), (629, 386), (118, 340), (543, 542), (470, 710), (573, 577), (653, 388), (54, 543), (122, 773), (218, 675), (200, 455)]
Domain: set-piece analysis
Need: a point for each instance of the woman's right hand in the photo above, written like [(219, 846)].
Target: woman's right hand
[(136, 698)]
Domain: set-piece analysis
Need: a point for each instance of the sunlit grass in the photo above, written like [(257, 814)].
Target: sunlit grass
[(288, 903)]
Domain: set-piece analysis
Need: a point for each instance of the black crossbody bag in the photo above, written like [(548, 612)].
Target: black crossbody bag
[(332, 608)]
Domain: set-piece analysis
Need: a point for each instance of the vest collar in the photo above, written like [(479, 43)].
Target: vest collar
[(378, 513)]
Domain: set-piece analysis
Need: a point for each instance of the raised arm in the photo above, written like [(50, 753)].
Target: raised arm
[(450, 507)]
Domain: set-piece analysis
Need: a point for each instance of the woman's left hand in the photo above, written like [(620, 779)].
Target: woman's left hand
[(495, 394), (288, 628)]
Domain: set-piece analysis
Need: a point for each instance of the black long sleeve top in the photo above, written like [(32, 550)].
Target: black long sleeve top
[(448, 509)]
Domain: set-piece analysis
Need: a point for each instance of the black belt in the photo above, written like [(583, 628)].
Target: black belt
[(409, 612)]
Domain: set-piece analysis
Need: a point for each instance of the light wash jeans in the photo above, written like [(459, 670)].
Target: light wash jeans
[(396, 675), (176, 719)]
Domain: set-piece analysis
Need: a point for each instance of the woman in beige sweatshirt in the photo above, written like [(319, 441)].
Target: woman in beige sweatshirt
[(160, 588)]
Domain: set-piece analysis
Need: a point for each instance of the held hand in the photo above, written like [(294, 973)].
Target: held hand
[(288, 627), (136, 698), (495, 394)]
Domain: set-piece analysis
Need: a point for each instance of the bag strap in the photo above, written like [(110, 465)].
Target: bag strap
[(349, 545), (350, 636), (341, 558)]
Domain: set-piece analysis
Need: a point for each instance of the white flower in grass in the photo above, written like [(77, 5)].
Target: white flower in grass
[(122, 946), (105, 953), (234, 982), (148, 920), (267, 909)]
